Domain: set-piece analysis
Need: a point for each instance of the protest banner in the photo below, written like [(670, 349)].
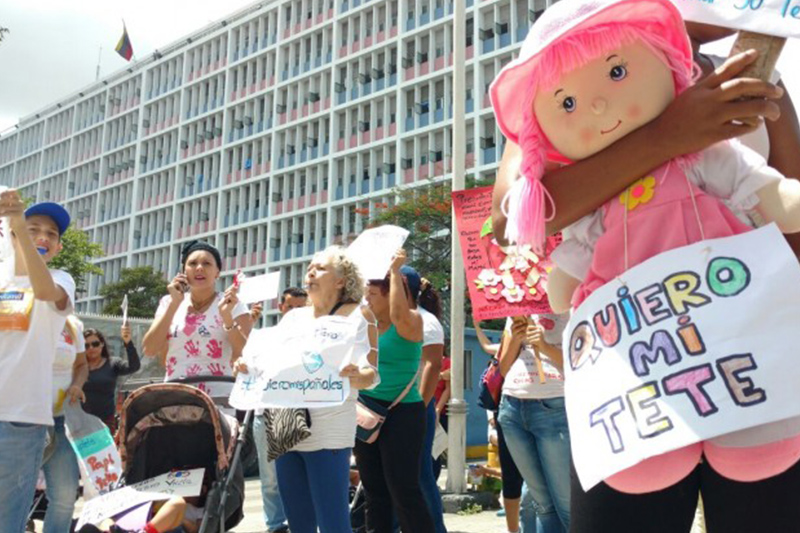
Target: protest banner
[(689, 345), (94, 447), (764, 26), (290, 366), (259, 288), (374, 248), (503, 281), (185, 483), (770, 17)]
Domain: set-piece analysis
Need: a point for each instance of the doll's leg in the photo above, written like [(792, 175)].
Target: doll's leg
[(605, 510), (767, 505)]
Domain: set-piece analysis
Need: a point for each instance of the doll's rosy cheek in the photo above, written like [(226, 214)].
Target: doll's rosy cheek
[(587, 135), (634, 111)]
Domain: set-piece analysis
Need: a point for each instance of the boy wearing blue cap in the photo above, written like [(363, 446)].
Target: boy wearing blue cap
[(34, 305)]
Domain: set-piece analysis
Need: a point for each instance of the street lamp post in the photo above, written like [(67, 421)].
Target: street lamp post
[(457, 407)]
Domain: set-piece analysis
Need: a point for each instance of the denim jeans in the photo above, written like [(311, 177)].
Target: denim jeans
[(21, 447), (527, 512), (315, 488), (537, 435), (274, 515), (429, 487), (61, 474)]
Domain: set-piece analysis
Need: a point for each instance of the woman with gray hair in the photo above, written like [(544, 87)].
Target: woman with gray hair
[(316, 470)]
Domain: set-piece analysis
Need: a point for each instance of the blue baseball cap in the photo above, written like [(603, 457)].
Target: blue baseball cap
[(413, 279), (54, 211)]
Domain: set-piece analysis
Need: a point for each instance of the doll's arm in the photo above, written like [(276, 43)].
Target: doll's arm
[(700, 117), (560, 287), (736, 173), (779, 202)]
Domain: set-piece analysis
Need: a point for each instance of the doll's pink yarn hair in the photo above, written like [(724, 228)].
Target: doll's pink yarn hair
[(525, 203)]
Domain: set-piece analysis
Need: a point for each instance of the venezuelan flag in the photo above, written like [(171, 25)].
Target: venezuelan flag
[(124, 47)]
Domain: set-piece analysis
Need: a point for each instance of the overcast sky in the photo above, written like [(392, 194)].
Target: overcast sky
[(53, 46)]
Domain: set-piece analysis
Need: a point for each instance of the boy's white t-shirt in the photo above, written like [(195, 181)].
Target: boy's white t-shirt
[(522, 380), (26, 357)]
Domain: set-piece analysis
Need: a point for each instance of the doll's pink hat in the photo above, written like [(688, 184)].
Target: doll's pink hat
[(562, 18)]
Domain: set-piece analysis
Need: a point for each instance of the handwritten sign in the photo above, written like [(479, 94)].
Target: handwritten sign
[(259, 288), (503, 281), (374, 249), (290, 366), (94, 446), (185, 483), (6, 250), (771, 17), (692, 344)]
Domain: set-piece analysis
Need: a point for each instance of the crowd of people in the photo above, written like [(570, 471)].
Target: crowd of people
[(398, 366)]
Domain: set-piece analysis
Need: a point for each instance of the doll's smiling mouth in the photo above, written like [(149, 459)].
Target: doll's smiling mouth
[(603, 132)]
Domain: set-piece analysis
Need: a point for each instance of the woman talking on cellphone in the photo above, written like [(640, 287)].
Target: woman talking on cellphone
[(199, 331)]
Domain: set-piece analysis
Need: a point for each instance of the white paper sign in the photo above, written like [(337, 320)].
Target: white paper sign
[(6, 250), (772, 17), (185, 483), (259, 288), (124, 308), (692, 344), (292, 365), (374, 249)]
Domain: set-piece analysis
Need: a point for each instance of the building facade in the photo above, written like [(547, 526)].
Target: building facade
[(271, 134)]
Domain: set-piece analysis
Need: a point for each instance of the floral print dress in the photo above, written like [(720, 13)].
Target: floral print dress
[(198, 345)]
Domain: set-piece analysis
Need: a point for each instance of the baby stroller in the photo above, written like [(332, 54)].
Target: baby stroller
[(173, 425)]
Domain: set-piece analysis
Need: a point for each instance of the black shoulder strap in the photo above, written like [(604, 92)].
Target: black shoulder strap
[(336, 307)]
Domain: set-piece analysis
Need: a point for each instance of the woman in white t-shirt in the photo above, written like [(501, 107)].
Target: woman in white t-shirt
[(533, 415), (61, 470), (314, 475), (197, 330)]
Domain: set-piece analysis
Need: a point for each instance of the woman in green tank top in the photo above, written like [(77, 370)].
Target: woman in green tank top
[(390, 466)]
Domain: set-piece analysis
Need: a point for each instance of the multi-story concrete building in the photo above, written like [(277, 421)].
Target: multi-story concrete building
[(271, 133)]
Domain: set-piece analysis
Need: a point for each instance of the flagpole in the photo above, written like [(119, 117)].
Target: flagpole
[(97, 70)]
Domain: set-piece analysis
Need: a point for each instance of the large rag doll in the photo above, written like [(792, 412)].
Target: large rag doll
[(594, 71)]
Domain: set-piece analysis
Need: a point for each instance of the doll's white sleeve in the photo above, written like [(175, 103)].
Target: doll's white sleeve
[(731, 171), (574, 254)]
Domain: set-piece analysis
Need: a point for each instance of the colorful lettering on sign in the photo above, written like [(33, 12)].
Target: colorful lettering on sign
[(675, 296)]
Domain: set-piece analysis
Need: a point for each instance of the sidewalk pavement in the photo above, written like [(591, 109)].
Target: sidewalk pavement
[(483, 522)]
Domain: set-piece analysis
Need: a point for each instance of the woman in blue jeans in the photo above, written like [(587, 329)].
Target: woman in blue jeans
[(533, 415), (314, 475)]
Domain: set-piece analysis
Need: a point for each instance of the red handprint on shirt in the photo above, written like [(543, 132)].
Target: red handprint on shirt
[(171, 362), (192, 322), (193, 370), (214, 349), (192, 350), (216, 369)]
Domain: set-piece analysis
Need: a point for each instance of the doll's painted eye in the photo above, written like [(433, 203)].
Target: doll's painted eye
[(618, 72), (569, 104)]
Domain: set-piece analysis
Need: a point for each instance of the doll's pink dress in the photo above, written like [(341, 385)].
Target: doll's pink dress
[(661, 218)]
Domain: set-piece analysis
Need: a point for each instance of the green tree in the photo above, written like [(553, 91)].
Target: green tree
[(76, 256), (144, 287)]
